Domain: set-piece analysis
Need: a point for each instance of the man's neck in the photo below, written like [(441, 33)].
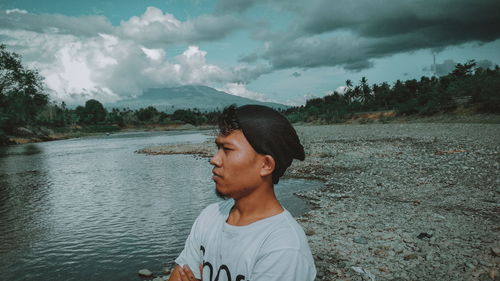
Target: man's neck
[(260, 204)]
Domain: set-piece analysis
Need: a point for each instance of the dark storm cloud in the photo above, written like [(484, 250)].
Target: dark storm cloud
[(377, 29), (317, 51), (358, 65), (461, 19)]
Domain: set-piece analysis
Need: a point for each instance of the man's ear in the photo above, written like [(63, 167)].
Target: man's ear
[(268, 165)]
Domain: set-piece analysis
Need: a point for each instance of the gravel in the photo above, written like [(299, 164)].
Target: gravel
[(416, 201)]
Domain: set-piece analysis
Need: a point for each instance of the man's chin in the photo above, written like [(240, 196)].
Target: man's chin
[(221, 195)]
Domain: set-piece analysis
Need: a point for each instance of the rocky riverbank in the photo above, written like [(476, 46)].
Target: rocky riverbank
[(417, 201), (403, 201), (23, 135)]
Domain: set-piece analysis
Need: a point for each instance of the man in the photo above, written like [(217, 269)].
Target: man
[(251, 236)]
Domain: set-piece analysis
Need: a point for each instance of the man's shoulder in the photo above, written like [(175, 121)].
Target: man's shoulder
[(286, 233), (287, 237), (215, 210)]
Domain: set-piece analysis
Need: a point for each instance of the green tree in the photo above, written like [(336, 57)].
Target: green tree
[(93, 112), (147, 114), (193, 117), (21, 92)]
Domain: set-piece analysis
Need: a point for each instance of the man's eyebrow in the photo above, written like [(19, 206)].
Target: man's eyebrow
[(221, 143)]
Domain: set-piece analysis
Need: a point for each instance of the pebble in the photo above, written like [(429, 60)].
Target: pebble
[(470, 265), (495, 251), (360, 240)]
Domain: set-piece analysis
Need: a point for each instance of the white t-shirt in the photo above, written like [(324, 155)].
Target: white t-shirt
[(274, 248)]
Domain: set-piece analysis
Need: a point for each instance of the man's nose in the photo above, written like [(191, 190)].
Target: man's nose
[(215, 160)]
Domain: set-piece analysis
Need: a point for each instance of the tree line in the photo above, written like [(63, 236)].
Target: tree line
[(466, 86), (93, 114)]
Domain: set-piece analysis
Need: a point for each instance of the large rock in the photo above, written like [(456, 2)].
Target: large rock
[(145, 273)]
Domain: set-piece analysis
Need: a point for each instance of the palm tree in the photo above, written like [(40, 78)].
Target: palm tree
[(348, 91)]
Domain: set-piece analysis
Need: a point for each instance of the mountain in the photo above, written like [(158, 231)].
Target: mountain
[(183, 97)]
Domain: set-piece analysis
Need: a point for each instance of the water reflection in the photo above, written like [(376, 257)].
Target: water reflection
[(24, 188), (26, 149)]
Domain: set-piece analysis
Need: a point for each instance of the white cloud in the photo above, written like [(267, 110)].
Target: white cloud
[(16, 11), (110, 63), (341, 90), (154, 54), (239, 89), (186, 69), (159, 29), (150, 25), (79, 69)]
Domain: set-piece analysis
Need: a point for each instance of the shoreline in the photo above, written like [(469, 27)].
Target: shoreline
[(399, 201), (359, 118), (52, 136)]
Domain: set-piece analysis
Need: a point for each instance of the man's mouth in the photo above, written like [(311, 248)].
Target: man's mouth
[(216, 175)]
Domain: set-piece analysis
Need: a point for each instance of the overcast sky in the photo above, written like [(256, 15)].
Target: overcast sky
[(282, 50)]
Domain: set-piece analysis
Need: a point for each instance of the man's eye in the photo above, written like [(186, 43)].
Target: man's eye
[(226, 148)]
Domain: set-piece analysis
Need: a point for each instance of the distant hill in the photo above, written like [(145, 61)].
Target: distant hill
[(183, 97)]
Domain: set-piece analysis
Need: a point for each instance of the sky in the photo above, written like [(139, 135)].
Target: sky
[(284, 51)]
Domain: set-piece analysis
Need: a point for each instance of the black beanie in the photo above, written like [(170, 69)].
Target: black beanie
[(270, 133)]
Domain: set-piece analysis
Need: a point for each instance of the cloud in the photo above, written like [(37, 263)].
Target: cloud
[(231, 6), (16, 11), (153, 28), (445, 19), (160, 29), (357, 66), (344, 49), (341, 90), (239, 89), (353, 33), (154, 54), (448, 66), (16, 19), (296, 74), (444, 68), (110, 68), (485, 64), (245, 73)]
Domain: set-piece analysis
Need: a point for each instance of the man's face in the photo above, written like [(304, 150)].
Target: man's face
[(237, 166)]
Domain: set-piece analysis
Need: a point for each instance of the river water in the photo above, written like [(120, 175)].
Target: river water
[(92, 209)]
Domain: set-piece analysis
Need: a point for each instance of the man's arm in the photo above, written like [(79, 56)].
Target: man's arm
[(190, 255), (182, 274)]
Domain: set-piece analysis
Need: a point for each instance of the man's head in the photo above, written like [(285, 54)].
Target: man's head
[(265, 133)]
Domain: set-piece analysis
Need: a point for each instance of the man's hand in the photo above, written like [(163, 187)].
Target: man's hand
[(183, 273)]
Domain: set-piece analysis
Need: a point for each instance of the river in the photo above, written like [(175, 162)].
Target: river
[(92, 209)]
